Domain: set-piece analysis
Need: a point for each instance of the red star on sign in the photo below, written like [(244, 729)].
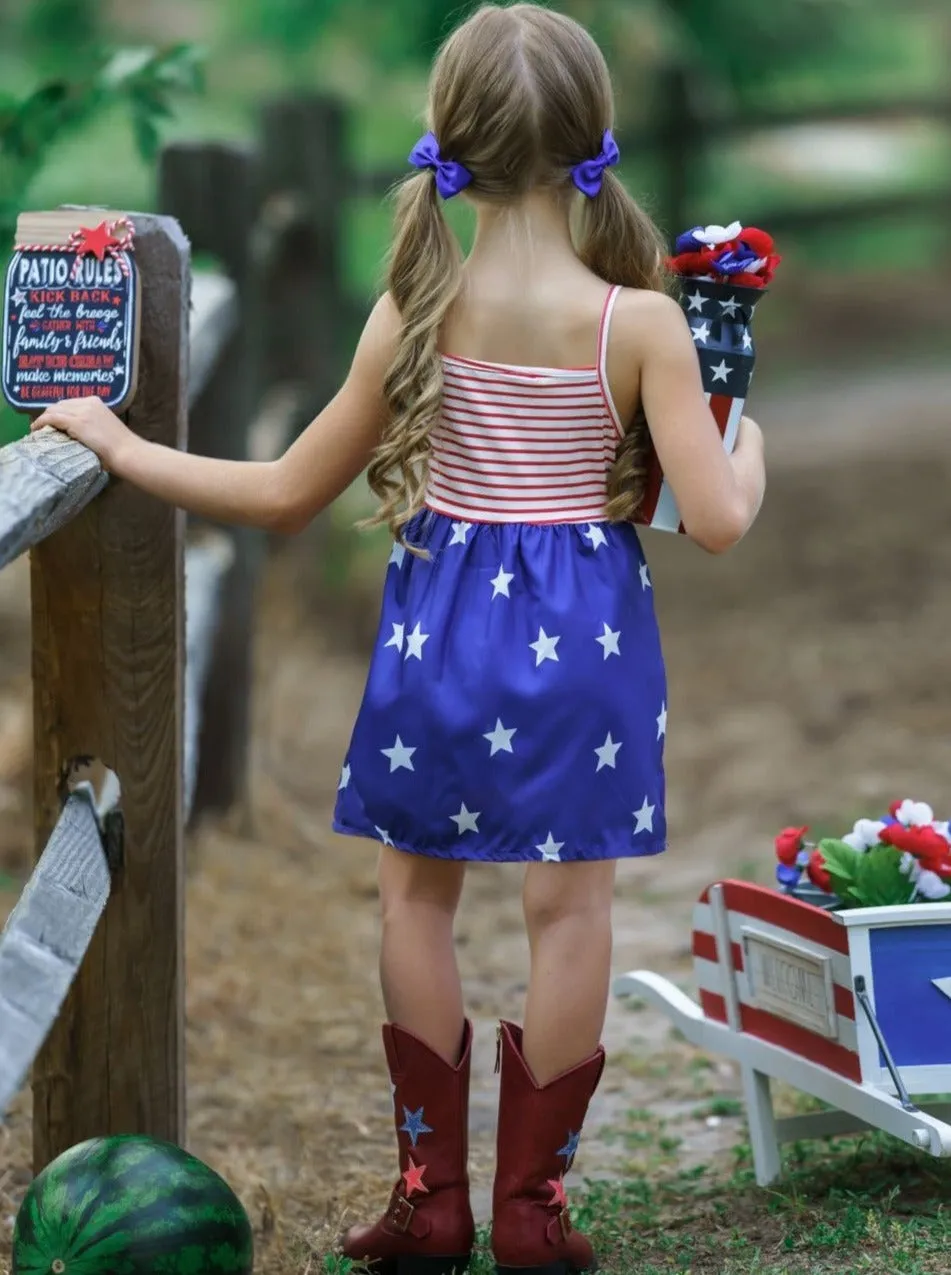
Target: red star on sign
[(559, 1198), (97, 240), (413, 1177)]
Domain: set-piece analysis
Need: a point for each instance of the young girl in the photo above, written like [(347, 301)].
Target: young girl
[(515, 710)]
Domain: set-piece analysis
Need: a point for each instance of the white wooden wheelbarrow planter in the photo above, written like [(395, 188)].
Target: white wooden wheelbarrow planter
[(853, 1007)]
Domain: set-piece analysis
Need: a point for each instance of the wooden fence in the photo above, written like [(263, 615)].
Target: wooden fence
[(124, 622)]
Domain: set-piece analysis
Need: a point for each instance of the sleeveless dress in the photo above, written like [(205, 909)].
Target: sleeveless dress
[(515, 707)]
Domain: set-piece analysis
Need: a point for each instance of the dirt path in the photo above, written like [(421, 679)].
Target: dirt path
[(808, 682)]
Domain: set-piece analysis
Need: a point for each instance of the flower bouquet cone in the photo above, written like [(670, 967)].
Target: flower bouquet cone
[(723, 273), (902, 858)]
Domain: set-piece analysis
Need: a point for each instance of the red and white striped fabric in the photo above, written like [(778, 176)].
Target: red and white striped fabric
[(525, 444), (771, 914)]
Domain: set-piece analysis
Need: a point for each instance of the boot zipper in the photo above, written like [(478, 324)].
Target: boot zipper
[(498, 1049)]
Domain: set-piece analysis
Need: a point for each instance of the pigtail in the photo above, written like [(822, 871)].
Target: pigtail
[(621, 244), (424, 279)]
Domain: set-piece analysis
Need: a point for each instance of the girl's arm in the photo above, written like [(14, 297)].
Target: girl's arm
[(281, 495), (718, 495)]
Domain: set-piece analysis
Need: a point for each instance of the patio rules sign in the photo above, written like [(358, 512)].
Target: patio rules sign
[(71, 310)]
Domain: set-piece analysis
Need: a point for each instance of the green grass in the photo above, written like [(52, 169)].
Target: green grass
[(848, 1207)]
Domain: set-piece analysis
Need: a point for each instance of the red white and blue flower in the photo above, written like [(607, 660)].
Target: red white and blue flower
[(736, 254), (921, 842)]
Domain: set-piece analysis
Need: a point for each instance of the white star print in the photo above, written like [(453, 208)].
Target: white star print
[(697, 303), (609, 640), (19, 297), (500, 738), (500, 585), (550, 850), (702, 333), (645, 577), (721, 371), (645, 818), (397, 556), (415, 642), (607, 753), (460, 531), (399, 632), (401, 757), (466, 820), (747, 340), (544, 648), (662, 722), (730, 307), (384, 837), (119, 371), (596, 536), (344, 779)]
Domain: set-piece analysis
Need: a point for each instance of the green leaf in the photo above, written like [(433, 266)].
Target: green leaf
[(146, 135), (841, 862), (880, 880)]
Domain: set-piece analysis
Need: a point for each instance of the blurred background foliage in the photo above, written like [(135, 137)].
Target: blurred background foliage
[(90, 87)]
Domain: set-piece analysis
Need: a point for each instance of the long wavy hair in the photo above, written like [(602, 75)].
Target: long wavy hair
[(519, 95)]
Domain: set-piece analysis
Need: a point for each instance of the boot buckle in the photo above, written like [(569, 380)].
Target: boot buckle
[(400, 1213)]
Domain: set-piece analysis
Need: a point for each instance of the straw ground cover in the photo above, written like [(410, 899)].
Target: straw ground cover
[(808, 682)]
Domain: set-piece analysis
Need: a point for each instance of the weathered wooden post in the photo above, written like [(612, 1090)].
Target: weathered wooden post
[(306, 177), (212, 190), (108, 633)]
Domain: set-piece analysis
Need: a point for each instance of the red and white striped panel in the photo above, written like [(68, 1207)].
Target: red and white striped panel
[(780, 917), (525, 444), (659, 509)]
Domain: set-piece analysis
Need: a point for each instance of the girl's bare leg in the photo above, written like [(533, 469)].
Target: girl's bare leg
[(568, 918), (422, 990)]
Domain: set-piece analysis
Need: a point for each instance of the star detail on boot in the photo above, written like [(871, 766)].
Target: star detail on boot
[(558, 1187), (413, 1124), (413, 1178), (569, 1149)]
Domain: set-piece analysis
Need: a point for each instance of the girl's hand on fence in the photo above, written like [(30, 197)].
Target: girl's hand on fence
[(91, 423)]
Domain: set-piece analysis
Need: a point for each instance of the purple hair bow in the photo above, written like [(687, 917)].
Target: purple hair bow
[(450, 176), (588, 176)]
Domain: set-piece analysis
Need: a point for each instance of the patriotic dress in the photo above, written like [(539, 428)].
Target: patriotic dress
[(515, 708)]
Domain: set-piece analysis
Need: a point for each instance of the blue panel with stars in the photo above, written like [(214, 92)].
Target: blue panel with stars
[(912, 1011), (719, 316), (69, 328), (516, 704)]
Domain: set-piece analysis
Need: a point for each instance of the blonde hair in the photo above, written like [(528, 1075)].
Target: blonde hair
[(519, 95)]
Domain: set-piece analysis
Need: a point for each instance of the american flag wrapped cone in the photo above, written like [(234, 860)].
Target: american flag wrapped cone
[(720, 317), (723, 273)]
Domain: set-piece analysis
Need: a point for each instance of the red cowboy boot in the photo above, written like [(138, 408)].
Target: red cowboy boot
[(427, 1228), (539, 1130)]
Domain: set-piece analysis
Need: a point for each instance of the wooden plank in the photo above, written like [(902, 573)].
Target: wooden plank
[(45, 480), (46, 937), (858, 210), (214, 321), (108, 638), (207, 563), (214, 191)]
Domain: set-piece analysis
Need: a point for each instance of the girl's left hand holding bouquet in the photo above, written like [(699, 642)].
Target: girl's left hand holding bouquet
[(282, 495)]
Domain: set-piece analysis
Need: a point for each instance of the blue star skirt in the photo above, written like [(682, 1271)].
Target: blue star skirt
[(515, 708)]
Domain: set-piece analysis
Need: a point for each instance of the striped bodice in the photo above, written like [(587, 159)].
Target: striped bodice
[(524, 444)]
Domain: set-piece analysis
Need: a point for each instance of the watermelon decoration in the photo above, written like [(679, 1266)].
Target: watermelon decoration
[(131, 1205)]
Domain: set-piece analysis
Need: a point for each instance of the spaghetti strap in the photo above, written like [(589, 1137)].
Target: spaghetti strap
[(604, 334)]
